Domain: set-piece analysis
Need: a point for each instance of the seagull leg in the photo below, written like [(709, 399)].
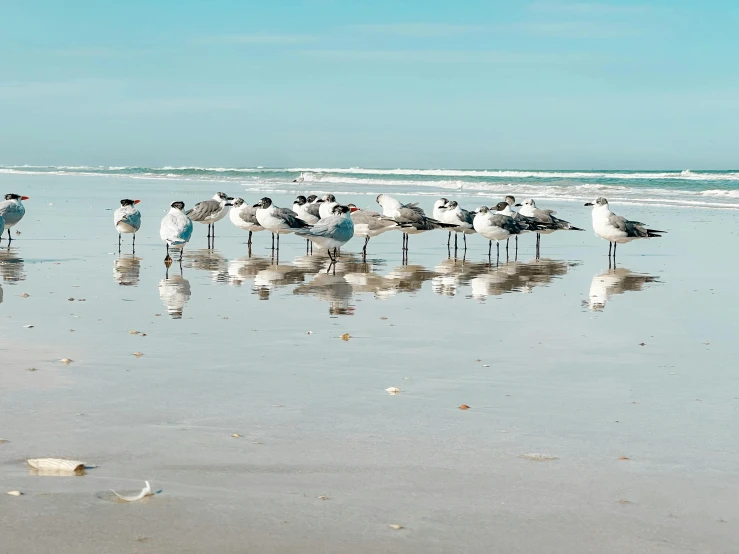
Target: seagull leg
[(506, 246), (249, 241), (10, 239), (610, 245), (330, 257), (167, 259), (273, 241), (364, 248), (278, 241), (464, 237), (455, 242), (449, 239), (133, 244), (614, 251)]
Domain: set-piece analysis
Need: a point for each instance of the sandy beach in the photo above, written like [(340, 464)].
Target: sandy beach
[(601, 401)]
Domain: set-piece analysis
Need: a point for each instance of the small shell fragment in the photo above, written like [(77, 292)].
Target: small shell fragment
[(146, 491), (57, 466), (134, 332), (24, 295), (66, 361), (138, 354), (235, 435), (28, 326), (346, 337), (464, 407), (395, 526), (323, 498), (392, 390), (15, 493), (539, 457)]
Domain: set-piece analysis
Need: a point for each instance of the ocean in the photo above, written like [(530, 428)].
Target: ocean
[(704, 189)]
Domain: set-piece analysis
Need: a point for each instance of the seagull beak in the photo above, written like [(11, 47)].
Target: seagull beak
[(257, 205), (229, 198), (136, 201), (354, 209), (228, 204), (589, 204), (24, 198), (517, 205)]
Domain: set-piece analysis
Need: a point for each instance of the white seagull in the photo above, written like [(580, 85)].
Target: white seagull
[(546, 220), (244, 216), (413, 219), (326, 208), (208, 212), (496, 227), (617, 229), (300, 179), (12, 211), (437, 212), (370, 224), (309, 212), (461, 219), (279, 221), (333, 231), (127, 219), (176, 229)]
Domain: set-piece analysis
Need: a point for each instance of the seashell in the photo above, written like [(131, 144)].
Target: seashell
[(146, 491), (24, 295), (392, 390), (464, 407), (138, 354), (57, 466), (15, 493), (66, 361), (323, 497), (345, 337), (134, 332), (539, 457), (28, 326), (235, 435), (395, 526)]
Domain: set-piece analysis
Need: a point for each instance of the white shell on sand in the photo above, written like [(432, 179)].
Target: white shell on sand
[(66, 361), (15, 493), (539, 457), (57, 466), (146, 491), (392, 390)]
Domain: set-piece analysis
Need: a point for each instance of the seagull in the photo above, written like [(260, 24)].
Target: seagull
[(300, 179), (176, 229), (278, 221), (504, 208), (305, 210), (127, 219), (244, 216), (370, 224), (615, 228), (413, 219), (461, 219), (12, 211), (333, 231), (308, 212), (2, 228), (546, 219), (313, 199), (438, 211), (326, 208), (496, 227), (208, 212)]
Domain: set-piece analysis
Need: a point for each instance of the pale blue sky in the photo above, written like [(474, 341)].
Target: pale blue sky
[(417, 83)]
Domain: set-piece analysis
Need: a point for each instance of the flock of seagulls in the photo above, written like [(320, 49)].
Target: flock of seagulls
[(330, 225)]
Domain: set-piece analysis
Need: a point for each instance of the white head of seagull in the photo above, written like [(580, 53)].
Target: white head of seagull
[(326, 207)]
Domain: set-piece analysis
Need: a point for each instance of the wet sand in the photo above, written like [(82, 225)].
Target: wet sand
[(546, 353)]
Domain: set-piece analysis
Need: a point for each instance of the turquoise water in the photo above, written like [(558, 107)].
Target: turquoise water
[(710, 189)]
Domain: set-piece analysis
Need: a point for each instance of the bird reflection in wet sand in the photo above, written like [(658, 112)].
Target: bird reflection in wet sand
[(615, 281), (175, 292), (331, 288), (11, 265), (453, 273), (275, 276), (126, 270), (245, 269), (518, 277), (208, 260)]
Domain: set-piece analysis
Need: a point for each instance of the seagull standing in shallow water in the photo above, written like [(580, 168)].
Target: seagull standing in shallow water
[(127, 219), (244, 216), (208, 212), (461, 219), (12, 211), (370, 224), (278, 221), (496, 227), (333, 231), (545, 218), (176, 229), (617, 229), (413, 219)]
